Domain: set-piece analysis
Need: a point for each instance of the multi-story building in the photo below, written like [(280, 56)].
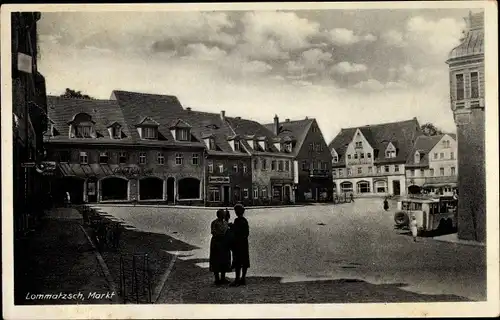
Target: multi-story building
[(432, 165), (29, 111), (370, 160), (312, 159), (272, 166), (130, 148), (228, 170), (467, 92)]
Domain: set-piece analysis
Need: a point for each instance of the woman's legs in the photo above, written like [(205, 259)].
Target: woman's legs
[(243, 276), (237, 272), (216, 276)]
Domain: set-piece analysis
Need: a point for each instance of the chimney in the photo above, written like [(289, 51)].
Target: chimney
[(276, 124), (287, 120), (223, 115)]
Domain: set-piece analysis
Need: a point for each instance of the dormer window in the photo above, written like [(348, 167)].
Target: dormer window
[(82, 126), (148, 129), (335, 159), (211, 143), (115, 131), (182, 134), (237, 145), (417, 157), (181, 130), (390, 151), (288, 147), (149, 133), (263, 144), (83, 130)]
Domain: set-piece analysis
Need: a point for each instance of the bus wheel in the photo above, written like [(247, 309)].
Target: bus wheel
[(401, 219)]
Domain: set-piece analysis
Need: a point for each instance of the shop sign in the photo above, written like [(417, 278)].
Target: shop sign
[(132, 171), (213, 179)]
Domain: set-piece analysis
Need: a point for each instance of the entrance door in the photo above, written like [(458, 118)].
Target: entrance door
[(396, 188), (237, 194), (92, 190), (225, 194), (287, 194), (170, 189)]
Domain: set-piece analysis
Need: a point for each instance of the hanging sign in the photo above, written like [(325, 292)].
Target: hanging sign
[(213, 179)]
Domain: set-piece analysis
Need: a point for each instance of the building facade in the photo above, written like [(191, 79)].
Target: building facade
[(303, 140), (432, 167), (467, 92), (370, 160), (123, 150), (29, 111)]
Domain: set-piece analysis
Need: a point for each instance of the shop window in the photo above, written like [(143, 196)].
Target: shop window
[(381, 187), (363, 187), (214, 194), (189, 188), (346, 186)]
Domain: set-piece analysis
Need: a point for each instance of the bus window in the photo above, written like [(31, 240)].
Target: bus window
[(404, 205)]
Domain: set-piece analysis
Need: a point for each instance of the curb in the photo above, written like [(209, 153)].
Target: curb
[(462, 242), (105, 269)]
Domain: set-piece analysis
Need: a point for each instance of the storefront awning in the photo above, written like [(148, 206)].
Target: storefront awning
[(87, 170)]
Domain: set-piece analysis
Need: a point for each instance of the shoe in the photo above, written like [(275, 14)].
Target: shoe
[(235, 283), (224, 281), (242, 282)]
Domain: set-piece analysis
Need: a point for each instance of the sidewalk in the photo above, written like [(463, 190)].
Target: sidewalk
[(56, 262), (453, 238)]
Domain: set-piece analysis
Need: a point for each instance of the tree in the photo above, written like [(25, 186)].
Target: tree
[(429, 129), (75, 94)]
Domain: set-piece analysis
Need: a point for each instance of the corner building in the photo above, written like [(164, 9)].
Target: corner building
[(467, 93)]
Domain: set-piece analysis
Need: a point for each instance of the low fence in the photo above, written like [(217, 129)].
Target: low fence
[(135, 278)]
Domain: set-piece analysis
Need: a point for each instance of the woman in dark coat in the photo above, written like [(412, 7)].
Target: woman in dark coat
[(386, 204), (219, 260), (241, 258)]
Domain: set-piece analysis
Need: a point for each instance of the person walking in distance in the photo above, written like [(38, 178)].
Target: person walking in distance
[(413, 228), (219, 262), (386, 204), (241, 258)]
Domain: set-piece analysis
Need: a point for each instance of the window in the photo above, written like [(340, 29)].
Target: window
[(264, 164), (245, 169), (256, 192), (417, 157), (311, 147), (341, 172), (390, 154), (182, 134), (335, 159), (195, 160), (214, 194), (255, 162), (441, 171), (349, 156), (221, 168), (280, 165), (116, 132), (432, 172), (334, 172), (264, 192), (459, 86), (142, 158), (396, 168), (245, 193), (386, 169), (355, 156), (379, 170), (235, 168), (211, 143), (380, 186), (236, 145), (288, 147), (474, 85), (422, 172), (369, 155), (84, 157), (370, 170), (453, 171), (305, 166), (362, 155), (273, 165), (179, 158), (363, 187), (359, 144), (287, 166), (210, 167), (319, 165), (349, 172), (441, 155), (161, 158), (64, 156), (360, 170), (149, 132), (346, 187), (435, 155), (452, 155), (83, 131), (103, 157), (412, 173), (122, 157), (317, 147)]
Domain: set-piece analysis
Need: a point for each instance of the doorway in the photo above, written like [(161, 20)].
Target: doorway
[(396, 187), (92, 190), (225, 194)]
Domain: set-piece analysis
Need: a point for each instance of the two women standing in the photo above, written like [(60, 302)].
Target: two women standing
[(226, 238)]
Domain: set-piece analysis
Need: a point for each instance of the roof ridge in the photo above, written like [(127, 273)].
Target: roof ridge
[(379, 124), (80, 99), (145, 93)]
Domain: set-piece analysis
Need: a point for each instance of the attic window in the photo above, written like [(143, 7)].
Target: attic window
[(335, 159), (83, 130), (288, 146), (182, 134), (236, 145), (211, 143), (390, 154), (417, 157), (149, 132)]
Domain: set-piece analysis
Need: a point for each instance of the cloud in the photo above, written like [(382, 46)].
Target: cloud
[(255, 67), (370, 85), (394, 38), (345, 67), (199, 51), (315, 56), (341, 36)]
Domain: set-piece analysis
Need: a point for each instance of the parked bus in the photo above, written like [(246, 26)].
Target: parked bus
[(432, 213)]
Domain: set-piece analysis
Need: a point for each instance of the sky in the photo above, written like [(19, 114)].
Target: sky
[(343, 67)]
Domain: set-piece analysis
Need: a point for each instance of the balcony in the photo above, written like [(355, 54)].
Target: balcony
[(319, 173)]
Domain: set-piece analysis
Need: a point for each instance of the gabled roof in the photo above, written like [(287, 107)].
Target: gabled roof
[(104, 113), (147, 121), (423, 144), (401, 134), (293, 131), (179, 123)]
